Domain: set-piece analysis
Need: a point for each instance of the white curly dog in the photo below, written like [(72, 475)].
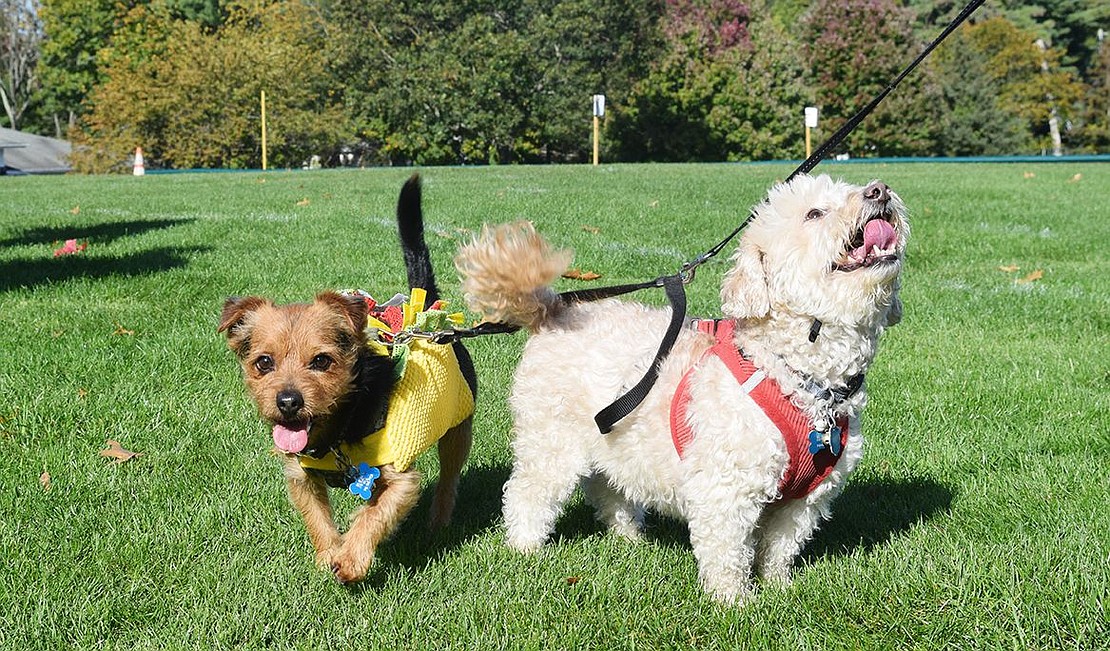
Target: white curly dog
[(750, 433)]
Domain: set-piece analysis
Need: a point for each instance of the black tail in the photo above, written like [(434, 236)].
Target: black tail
[(410, 225), (418, 263)]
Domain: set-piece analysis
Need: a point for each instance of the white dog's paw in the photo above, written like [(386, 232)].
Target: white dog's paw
[(732, 594), (524, 545), (727, 585), (779, 577), (630, 528)]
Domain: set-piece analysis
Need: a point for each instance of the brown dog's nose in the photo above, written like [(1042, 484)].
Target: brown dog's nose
[(877, 191), (289, 402)]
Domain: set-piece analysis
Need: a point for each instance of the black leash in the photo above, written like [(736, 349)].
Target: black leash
[(674, 284), (676, 294)]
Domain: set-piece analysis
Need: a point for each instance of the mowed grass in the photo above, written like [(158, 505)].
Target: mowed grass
[(978, 517)]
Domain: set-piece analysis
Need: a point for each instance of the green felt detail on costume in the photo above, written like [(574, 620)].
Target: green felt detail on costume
[(400, 355)]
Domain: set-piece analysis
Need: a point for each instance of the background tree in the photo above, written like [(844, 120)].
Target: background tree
[(1096, 104), (200, 90), (20, 37), (1032, 84), (75, 31), (852, 49), (581, 48), (758, 112), (486, 81), (974, 122), (667, 114)]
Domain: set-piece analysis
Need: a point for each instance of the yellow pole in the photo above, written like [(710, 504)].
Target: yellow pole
[(808, 147), (263, 130), (595, 138)]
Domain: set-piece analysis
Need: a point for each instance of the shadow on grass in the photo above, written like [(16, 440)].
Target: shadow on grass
[(93, 233), (413, 546), (867, 514), (23, 273), (870, 513)]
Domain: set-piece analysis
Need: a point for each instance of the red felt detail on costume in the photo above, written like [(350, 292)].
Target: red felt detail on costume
[(393, 316), (805, 471)]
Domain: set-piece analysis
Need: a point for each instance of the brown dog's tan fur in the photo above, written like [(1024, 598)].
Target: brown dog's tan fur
[(314, 378), (314, 348)]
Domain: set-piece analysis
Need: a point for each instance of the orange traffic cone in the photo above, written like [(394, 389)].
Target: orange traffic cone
[(139, 169)]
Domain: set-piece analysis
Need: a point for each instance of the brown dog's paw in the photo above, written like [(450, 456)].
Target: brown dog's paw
[(349, 566), (325, 559)]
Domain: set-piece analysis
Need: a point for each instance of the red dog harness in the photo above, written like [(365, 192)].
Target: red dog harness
[(807, 468)]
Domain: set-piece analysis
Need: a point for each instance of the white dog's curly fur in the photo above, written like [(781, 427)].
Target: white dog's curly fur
[(802, 258)]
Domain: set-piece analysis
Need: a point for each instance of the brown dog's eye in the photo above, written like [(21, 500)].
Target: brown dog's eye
[(264, 364), (320, 363), (816, 213)]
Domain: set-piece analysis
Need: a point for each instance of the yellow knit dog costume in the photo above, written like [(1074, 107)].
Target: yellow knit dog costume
[(431, 397)]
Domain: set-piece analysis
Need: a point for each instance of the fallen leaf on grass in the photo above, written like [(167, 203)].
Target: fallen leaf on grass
[(1033, 275), (1076, 179), (654, 204), (571, 580), (82, 393), (116, 453), (1009, 268), (1029, 175), (44, 481), (75, 210), (122, 331), (578, 274), (304, 202), (69, 248), (592, 229)]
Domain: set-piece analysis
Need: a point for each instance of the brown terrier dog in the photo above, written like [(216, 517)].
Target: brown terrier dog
[(327, 394)]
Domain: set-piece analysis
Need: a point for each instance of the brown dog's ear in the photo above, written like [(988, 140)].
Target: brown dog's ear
[(237, 307), (352, 307), (744, 293)]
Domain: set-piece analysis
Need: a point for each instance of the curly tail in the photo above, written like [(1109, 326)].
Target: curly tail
[(507, 272)]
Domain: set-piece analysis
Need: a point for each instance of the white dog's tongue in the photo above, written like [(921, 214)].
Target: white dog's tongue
[(290, 440), (877, 233)]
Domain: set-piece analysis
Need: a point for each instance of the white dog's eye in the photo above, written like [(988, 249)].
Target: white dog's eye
[(816, 213)]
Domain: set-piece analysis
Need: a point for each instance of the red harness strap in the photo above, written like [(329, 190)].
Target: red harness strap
[(806, 470)]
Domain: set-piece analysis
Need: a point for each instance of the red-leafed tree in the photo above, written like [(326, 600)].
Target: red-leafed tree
[(727, 88), (852, 50)]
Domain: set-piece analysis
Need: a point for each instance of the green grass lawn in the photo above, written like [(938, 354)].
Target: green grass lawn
[(978, 517)]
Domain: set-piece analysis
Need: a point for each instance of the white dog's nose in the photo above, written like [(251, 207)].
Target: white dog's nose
[(877, 191)]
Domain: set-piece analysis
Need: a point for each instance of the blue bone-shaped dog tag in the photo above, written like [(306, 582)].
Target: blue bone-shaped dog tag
[(363, 483), (825, 440)]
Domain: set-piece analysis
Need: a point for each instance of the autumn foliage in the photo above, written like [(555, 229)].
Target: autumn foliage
[(509, 81), (191, 97)]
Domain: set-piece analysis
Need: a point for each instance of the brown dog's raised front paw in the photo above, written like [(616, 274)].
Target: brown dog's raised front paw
[(350, 566)]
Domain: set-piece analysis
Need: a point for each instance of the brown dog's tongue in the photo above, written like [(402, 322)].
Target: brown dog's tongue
[(290, 440)]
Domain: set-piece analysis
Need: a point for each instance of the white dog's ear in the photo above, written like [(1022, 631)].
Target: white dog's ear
[(894, 316), (744, 293)]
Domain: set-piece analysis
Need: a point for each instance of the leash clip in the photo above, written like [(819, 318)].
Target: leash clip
[(689, 269)]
